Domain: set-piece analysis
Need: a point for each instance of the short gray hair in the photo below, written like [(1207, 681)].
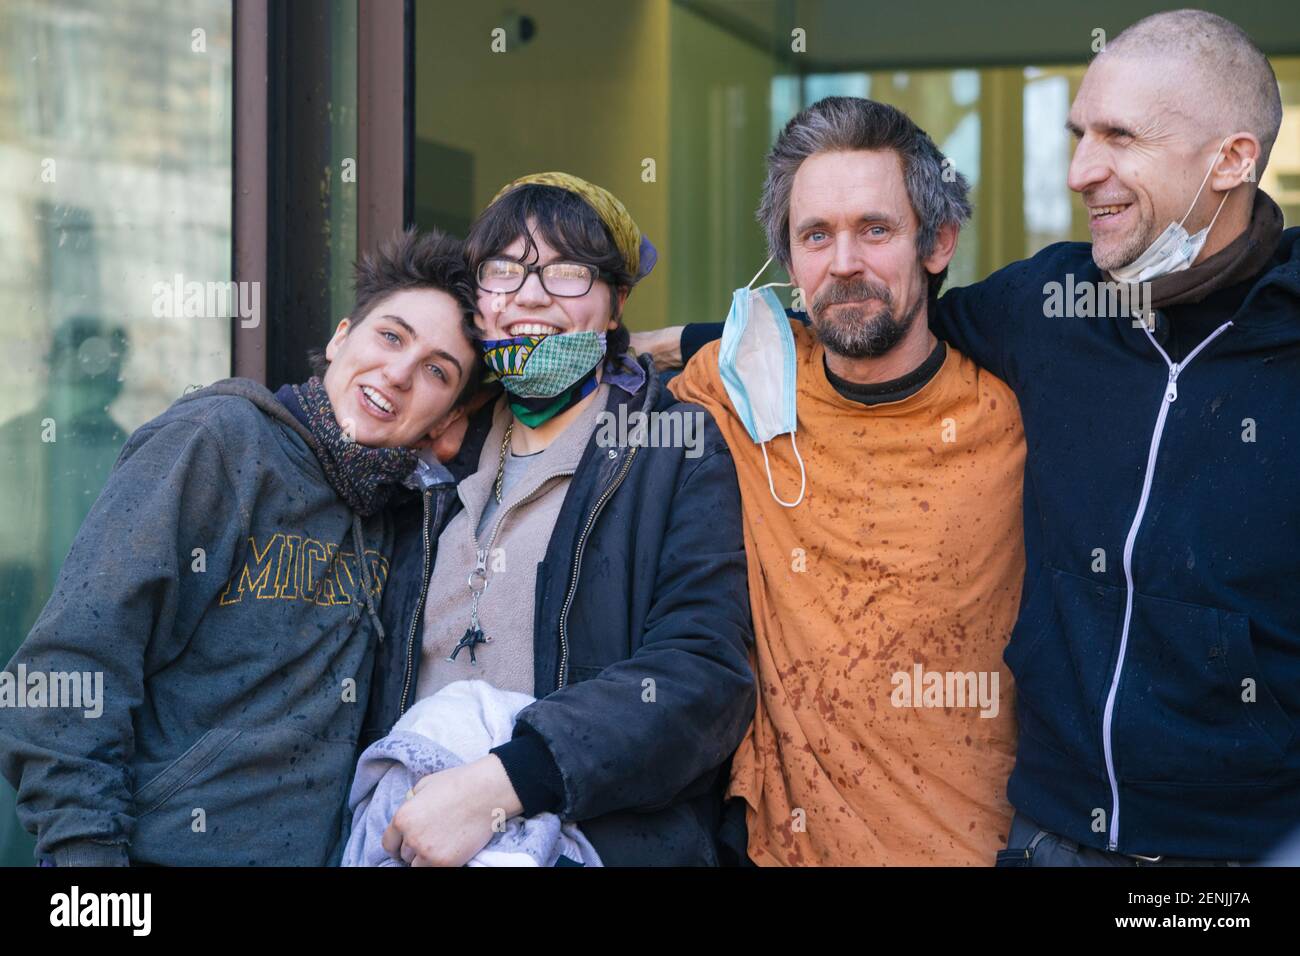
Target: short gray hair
[(1227, 81), (938, 193)]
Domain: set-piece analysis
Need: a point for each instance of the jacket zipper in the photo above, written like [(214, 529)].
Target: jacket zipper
[(577, 565), (480, 556), (1170, 396), (501, 516), (424, 592)]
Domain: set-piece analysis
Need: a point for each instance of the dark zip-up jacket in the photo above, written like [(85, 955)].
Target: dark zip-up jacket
[(1157, 652), (641, 635)]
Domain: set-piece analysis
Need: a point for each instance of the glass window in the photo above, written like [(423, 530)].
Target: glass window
[(673, 107), (1281, 178), (115, 177)]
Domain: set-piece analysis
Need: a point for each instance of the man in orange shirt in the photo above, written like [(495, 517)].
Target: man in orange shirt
[(884, 533)]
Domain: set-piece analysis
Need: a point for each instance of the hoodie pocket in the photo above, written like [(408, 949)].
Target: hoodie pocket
[(265, 796), (182, 770), (1060, 655), (1193, 706)]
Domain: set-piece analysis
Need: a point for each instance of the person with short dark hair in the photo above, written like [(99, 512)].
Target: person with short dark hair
[(594, 563), (194, 690)]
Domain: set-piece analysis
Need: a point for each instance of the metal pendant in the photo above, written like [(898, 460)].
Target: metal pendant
[(478, 583), (472, 637)]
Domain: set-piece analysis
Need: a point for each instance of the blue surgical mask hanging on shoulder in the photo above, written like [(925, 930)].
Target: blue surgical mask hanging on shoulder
[(757, 363)]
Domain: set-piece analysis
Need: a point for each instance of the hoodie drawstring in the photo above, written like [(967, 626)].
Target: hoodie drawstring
[(367, 582)]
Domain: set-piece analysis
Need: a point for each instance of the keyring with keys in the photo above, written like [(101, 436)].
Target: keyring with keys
[(478, 584)]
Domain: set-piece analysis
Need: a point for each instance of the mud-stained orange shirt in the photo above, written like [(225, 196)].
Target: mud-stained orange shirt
[(885, 727)]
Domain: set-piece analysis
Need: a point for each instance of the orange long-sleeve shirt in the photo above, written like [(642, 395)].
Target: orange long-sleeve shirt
[(885, 727)]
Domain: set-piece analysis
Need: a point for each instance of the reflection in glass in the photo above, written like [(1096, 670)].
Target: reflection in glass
[(115, 141)]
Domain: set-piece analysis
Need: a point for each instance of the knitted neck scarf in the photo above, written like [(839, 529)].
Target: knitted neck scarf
[(362, 476)]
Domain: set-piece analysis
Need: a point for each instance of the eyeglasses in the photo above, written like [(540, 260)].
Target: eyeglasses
[(568, 280)]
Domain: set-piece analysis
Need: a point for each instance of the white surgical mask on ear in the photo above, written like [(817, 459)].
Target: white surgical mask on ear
[(757, 363), (1174, 250)]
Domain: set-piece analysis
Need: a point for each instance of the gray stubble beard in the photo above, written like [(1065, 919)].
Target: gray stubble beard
[(852, 335)]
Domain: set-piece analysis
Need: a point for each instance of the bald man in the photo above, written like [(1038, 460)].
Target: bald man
[(1157, 651)]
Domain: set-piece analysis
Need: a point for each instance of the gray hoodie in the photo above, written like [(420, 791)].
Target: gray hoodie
[(215, 588)]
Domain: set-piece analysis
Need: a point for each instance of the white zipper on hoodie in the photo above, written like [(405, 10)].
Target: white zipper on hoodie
[(1170, 396)]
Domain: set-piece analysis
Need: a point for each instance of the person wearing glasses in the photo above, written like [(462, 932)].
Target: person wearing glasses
[(592, 569)]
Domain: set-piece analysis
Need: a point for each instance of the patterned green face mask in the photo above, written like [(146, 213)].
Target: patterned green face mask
[(544, 366)]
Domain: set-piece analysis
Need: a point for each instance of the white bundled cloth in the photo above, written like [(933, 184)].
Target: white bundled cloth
[(457, 725)]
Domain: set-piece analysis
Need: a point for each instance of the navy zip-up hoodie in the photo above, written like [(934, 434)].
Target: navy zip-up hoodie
[(1157, 652)]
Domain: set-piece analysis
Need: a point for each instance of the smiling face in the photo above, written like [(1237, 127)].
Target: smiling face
[(534, 311), (1139, 156), (393, 378), (853, 251)]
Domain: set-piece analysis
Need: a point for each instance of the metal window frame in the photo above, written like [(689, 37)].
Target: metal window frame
[(385, 76), (277, 142), (249, 179)]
